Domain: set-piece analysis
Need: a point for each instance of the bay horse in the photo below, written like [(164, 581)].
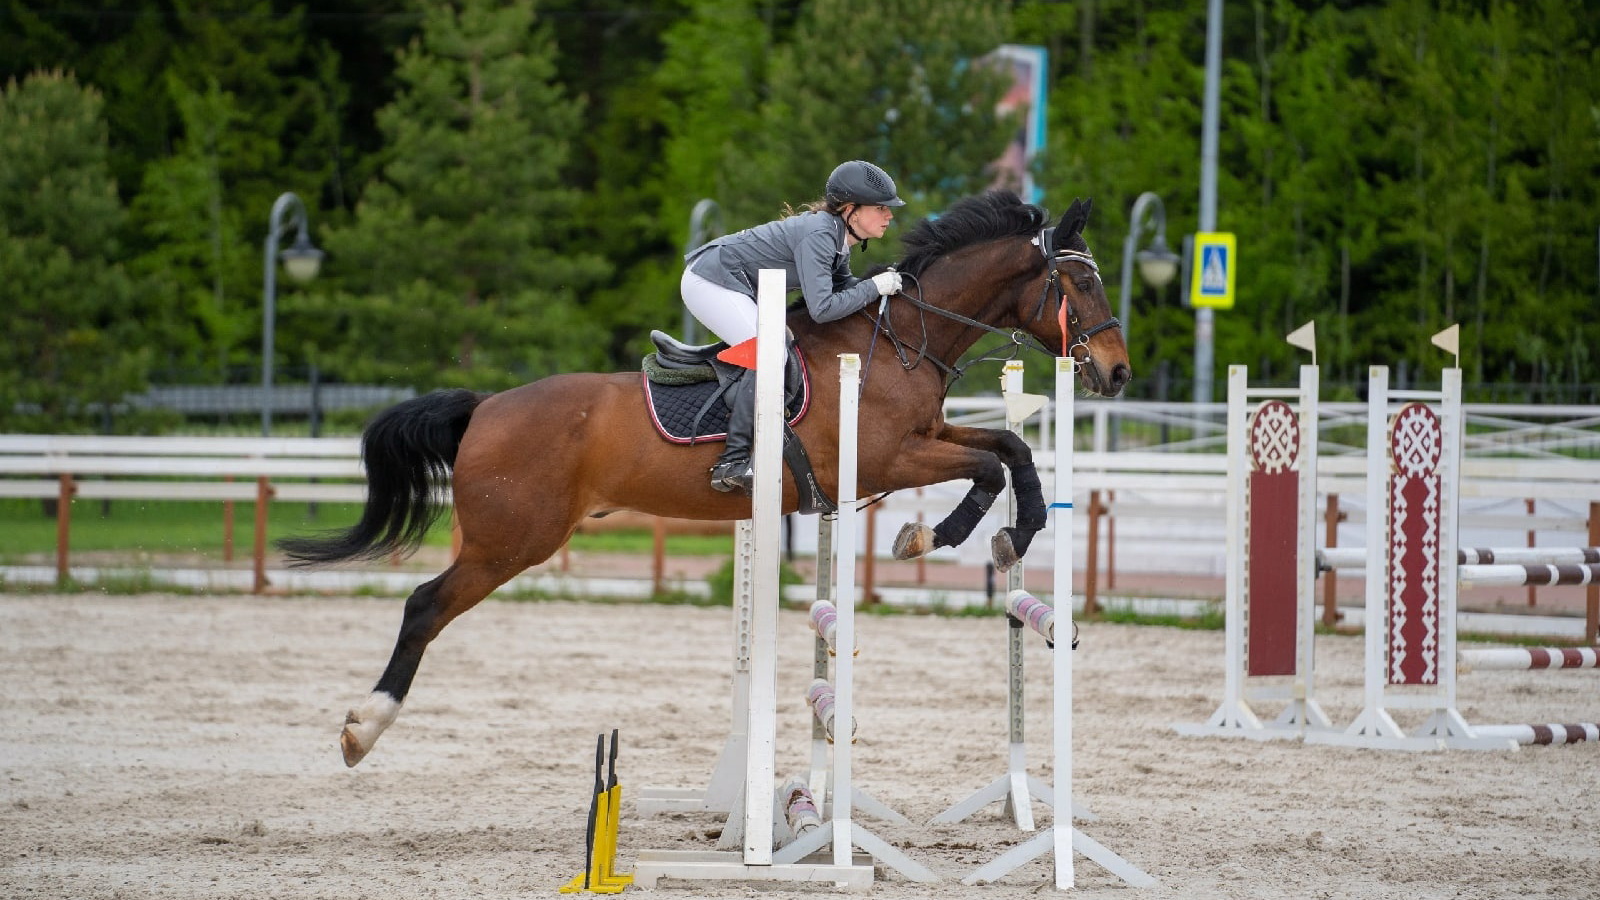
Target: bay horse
[(527, 465)]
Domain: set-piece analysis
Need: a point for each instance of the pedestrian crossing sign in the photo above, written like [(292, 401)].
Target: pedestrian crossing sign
[(1212, 282)]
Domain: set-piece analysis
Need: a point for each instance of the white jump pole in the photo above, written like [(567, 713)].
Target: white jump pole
[(1016, 787), (841, 830), (1061, 838), (752, 816)]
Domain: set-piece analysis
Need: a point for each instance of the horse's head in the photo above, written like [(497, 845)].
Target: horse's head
[(993, 261), (1084, 329)]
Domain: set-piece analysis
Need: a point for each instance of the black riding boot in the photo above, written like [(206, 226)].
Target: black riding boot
[(733, 471)]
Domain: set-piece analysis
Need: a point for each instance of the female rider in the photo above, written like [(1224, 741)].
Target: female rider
[(813, 249)]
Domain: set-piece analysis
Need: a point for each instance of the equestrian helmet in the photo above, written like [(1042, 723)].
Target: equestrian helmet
[(862, 182)]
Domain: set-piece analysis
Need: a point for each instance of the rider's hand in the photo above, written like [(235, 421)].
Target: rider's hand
[(888, 283)]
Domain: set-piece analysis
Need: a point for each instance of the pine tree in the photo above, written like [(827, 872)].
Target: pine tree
[(897, 83), (457, 269), (200, 266), (68, 310)]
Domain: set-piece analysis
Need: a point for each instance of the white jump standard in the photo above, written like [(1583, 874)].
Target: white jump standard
[(1015, 787), (840, 831), (1061, 838), (1269, 582), (1414, 573), (752, 815)]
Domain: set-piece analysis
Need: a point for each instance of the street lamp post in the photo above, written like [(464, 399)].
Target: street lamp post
[(301, 261), (1204, 322), (1157, 265)]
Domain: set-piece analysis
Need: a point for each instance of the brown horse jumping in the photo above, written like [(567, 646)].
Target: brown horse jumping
[(529, 464)]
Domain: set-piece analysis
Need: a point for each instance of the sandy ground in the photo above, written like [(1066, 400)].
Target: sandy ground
[(185, 747)]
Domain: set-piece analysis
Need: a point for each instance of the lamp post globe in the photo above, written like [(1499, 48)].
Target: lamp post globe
[(1157, 264)]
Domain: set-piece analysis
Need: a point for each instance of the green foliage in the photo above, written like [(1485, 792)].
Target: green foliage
[(504, 187), (901, 89), (199, 262), (67, 307), (457, 257), (1389, 169)]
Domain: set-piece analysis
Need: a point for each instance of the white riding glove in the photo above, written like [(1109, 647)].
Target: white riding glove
[(888, 283)]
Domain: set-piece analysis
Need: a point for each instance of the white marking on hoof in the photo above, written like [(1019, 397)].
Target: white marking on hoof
[(913, 541), (363, 725)]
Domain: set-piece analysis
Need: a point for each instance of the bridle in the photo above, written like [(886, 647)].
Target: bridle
[(1073, 334)]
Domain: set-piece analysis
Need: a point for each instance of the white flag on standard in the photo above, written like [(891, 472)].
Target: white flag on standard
[(1449, 340), (1305, 337)]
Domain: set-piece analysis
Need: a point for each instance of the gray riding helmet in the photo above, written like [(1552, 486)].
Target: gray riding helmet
[(862, 182)]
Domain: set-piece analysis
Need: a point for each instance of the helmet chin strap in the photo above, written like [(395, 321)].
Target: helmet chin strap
[(850, 227)]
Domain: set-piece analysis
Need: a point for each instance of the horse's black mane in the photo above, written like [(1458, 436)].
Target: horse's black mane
[(970, 220)]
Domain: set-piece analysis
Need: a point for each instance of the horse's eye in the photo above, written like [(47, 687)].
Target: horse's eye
[(1085, 284)]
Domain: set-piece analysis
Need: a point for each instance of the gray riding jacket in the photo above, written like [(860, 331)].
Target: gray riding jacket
[(809, 248)]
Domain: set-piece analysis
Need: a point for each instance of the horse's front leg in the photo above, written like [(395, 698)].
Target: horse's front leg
[(981, 455), (1012, 542)]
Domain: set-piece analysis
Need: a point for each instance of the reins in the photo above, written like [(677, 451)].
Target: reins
[(1073, 334)]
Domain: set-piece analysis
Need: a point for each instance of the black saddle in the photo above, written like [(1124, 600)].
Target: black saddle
[(685, 383), (684, 386)]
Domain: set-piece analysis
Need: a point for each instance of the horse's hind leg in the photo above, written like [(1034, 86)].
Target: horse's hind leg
[(429, 608)]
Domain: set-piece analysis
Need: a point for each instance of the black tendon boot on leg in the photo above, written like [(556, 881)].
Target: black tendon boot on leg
[(732, 471)]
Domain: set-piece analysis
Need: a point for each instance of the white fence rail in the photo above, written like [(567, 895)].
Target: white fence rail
[(1166, 498)]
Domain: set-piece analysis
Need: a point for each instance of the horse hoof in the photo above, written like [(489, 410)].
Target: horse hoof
[(350, 746), (913, 541), (1005, 555)]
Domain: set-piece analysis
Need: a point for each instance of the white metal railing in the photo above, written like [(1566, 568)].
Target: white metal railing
[(1519, 475)]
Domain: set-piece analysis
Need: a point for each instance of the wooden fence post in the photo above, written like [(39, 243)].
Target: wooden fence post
[(64, 528), (1330, 579), (227, 525), (264, 494), (1091, 599)]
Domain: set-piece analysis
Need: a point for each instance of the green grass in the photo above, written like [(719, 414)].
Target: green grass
[(180, 527)]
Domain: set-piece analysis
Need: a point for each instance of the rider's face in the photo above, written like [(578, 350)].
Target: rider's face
[(872, 221)]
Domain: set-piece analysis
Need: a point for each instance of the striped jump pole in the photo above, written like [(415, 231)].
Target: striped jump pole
[(1488, 556), (1542, 734), (1514, 658), (1061, 838), (1542, 575), (1356, 557)]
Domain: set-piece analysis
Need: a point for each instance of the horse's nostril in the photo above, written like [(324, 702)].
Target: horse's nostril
[(1120, 376)]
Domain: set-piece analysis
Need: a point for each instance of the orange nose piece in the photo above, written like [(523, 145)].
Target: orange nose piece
[(742, 354)]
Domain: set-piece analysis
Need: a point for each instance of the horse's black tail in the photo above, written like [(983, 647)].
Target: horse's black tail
[(408, 451)]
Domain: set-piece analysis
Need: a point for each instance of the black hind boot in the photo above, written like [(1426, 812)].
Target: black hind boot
[(733, 471)]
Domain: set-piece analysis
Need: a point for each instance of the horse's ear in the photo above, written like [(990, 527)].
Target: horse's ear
[(1075, 218)]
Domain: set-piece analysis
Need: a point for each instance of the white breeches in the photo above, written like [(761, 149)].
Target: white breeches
[(729, 315)]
